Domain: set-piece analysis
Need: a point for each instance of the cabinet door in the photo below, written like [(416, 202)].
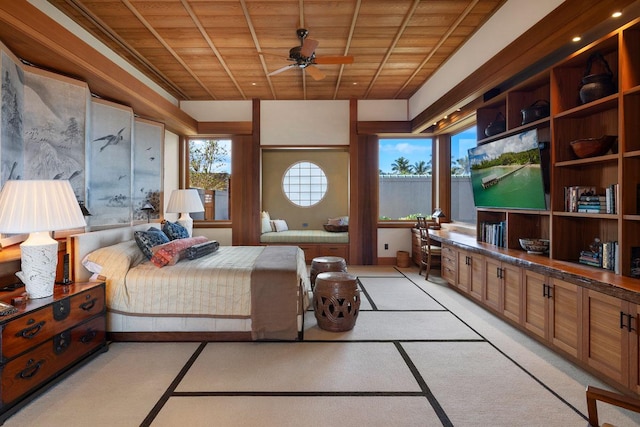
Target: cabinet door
[(564, 316), (511, 292), (535, 303), (464, 271), (492, 283), (606, 339), (476, 284)]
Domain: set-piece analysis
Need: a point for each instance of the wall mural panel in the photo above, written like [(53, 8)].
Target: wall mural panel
[(11, 136), (109, 164), (55, 110), (148, 138)]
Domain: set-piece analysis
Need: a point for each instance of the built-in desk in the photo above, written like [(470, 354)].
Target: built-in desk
[(589, 315)]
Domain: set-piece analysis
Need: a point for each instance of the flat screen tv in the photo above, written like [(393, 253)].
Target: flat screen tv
[(507, 173)]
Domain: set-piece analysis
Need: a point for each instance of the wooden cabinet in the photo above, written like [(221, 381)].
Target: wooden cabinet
[(569, 120), (46, 338), (449, 264), (609, 325), (471, 269), (313, 250), (503, 288)]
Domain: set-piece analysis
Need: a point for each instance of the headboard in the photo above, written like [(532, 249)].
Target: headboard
[(79, 245)]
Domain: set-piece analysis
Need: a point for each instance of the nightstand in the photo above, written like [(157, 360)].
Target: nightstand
[(47, 339)]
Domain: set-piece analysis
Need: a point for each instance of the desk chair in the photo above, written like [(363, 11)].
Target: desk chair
[(594, 394), (428, 252)]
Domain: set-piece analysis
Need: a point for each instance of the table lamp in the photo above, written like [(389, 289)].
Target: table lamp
[(184, 202), (148, 208), (436, 215), (39, 207)]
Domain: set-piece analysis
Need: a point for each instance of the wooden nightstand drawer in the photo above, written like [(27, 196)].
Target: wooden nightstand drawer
[(39, 325), (25, 373)]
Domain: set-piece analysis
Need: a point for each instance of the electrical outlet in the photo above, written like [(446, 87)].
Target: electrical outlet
[(386, 246)]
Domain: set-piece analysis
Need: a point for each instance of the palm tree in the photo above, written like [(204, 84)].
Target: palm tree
[(420, 168), (461, 167), (401, 166)]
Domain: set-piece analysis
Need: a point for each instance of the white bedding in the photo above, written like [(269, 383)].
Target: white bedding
[(181, 297), (185, 288)]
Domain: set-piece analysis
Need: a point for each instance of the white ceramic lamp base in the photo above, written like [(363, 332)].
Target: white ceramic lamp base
[(39, 262), (186, 221)]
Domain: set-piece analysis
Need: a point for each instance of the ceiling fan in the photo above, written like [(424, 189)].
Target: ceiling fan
[(304, 57)]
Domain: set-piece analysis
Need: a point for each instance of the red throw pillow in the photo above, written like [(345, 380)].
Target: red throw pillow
[(172, 252)]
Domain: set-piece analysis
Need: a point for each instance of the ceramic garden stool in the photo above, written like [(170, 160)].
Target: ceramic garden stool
[(325, 264), (336, 301)]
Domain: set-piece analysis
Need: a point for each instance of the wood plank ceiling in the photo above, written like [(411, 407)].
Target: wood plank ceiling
[(225, 50)]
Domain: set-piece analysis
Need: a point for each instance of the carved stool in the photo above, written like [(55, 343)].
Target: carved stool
[(325, 264), (336, 301)]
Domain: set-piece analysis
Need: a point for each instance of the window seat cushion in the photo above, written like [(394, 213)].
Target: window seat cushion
[(304, 236)]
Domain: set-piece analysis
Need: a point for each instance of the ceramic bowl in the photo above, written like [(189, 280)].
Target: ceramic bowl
[(535, 246), (590, 147)]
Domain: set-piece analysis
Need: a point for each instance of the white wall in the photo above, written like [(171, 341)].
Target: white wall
[(383, 110), (171, 141), (219, 111), (304, 123), (398, 239)]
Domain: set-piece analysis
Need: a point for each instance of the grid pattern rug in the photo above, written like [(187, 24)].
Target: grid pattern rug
[(420, 354)]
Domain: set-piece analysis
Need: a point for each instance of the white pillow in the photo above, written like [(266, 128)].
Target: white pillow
[(265, 215), (266, 225), (280, 225)]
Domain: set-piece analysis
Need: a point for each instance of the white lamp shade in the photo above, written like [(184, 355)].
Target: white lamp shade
[(185, 201), (28, 206)]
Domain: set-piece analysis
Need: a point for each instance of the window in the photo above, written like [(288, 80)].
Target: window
[(210, 174), (404, 178), (304, 184), (462, 206)]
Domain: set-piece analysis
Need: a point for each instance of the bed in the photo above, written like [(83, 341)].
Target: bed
[(236, 293)]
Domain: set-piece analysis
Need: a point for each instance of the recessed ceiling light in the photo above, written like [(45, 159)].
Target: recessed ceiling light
[(354, 83), (576, 39), (616, 14), (253, 84)]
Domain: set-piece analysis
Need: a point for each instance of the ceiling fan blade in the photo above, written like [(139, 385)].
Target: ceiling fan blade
[(280, 70), (315, 73), (348, 59), (308, 47)]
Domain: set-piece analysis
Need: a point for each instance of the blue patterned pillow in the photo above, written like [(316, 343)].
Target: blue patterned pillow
[(174, 231), (148, 239)]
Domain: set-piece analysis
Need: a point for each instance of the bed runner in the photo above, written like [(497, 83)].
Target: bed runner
[(274, 294)]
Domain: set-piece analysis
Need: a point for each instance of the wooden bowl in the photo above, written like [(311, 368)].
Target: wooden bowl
[(590, 147)]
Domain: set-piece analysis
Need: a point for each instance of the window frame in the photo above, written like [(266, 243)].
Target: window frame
[(183, 179)]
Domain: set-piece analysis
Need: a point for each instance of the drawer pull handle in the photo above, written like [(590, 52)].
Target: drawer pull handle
[(32, 368), (88, 305), (88, 337), (31, 331)]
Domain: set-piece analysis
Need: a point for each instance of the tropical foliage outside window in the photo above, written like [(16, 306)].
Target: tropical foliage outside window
[(210, 173), (405, 178), (462, 206)]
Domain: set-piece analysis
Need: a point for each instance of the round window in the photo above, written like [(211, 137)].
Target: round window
[(304, 184)]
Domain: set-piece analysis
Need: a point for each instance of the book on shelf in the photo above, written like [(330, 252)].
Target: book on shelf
[(573, 194), (612, 199), (494, 233), (606, 256)]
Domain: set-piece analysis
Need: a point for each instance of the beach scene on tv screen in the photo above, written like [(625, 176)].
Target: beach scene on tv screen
[(506, 173)]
